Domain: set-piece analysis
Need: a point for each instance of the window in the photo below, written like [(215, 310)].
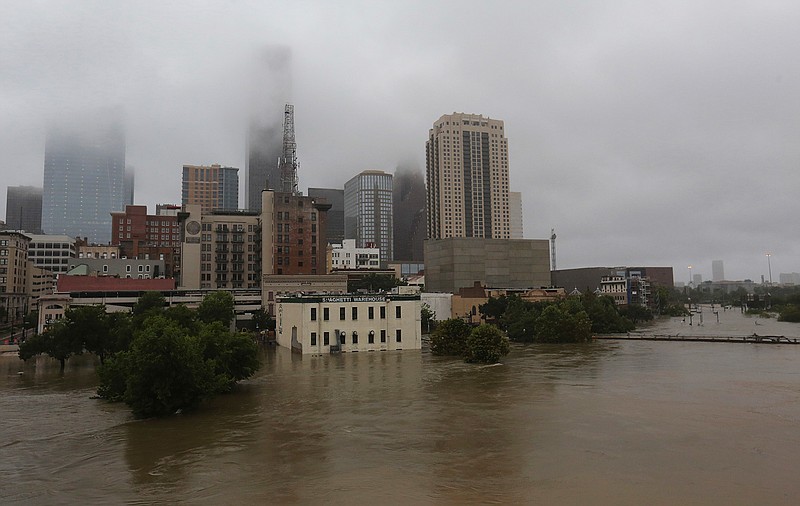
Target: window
[(326, 338), (398, 335), (341, 313), (313, 314), (371, 337), (383, 312), (355, 313), (397, 311), (127, 268), (383, 335), (371, 313), (313, 339), (325, 313), (355, 337)]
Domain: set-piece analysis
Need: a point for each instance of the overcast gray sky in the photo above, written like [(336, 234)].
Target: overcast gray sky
[(649, 133)]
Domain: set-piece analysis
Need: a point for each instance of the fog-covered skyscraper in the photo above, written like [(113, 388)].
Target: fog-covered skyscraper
[(335, 215), (409, 213), (271, 77), (84, 172), (129, 179), (717, 270), (24, 209)]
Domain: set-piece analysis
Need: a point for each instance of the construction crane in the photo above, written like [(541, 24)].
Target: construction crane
[(287, 163)]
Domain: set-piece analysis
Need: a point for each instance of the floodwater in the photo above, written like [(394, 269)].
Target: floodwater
[(611, 422)]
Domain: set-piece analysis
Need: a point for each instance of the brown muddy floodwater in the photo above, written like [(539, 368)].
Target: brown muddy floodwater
[(611, 422)]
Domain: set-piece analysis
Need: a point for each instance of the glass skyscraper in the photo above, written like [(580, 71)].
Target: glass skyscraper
[(84, 171), (368, 212)]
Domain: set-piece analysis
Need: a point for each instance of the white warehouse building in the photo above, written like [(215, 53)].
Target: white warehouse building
[(314, 324)]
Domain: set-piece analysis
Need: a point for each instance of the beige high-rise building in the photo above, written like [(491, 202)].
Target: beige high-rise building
[(467, 178)]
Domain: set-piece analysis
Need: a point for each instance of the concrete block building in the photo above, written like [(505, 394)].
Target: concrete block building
[(457, 262)]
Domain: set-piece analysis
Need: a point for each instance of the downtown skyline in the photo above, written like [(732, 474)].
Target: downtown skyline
[(642, 134)]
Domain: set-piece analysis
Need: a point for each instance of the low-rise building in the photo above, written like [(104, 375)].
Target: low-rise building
[(52, 252), (14, 266), (276, 285), (319, 324), (117, 267), (347, 256)]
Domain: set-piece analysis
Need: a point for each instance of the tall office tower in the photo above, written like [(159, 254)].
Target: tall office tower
[(368, 211), (467, 178), (84, 168), (334, 197), (717, 270), (24, 208), (515, 214), (211, 187), (408, 214), (272, 77), (128, 185)]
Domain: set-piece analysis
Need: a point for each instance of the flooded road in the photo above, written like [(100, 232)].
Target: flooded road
[(611, 422)]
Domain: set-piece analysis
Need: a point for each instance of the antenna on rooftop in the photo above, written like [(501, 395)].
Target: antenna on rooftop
[(553, 249)]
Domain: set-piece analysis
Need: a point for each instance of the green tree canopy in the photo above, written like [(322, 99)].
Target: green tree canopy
[(450, 337), (374, 283), (557, 325), (150, 303), (486, 344), (56, 341), (217, 307), (164, 371)]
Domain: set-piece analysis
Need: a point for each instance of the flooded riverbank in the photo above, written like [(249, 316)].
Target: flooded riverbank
[(610, 422)]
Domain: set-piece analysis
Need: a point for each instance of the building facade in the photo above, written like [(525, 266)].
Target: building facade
[(117, 267), (52, 252), (347, 256), (211, 187), (467, 178), (149, 236), (585, 279), (221, 249), (457, 262), (515, 215), (368, 211), (349, 323), (83, 180), (408, 214), (24, 208), (717, 270), (277, 285), (13, 275), (335, 222), (295, 227)]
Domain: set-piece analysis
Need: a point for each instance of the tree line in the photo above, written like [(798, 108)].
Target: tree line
[(157, 360), (512, 318)]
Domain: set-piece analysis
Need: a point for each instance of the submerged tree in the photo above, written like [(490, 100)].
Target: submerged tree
[(486, 344), (57, 342), (450, 337)]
